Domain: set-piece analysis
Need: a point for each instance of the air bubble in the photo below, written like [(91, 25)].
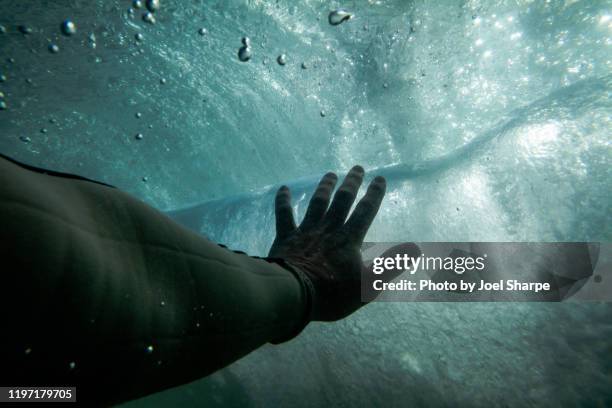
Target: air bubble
[(139, 37), (53, 48), (138, 115), (244, 53), (2, 78), (246, 41), (72, 365), (322, 113), (25, 139), (28, 350), (2, 29), (202, 31), (162, 81), (339, 16), (304, 65), (137, 4), (281, 59), (162, 303), (145, 179), (68, 27), (149, 349), (24, 29), (3, 105), (153, 5), (139, 136), (43, 130), (148, 17)]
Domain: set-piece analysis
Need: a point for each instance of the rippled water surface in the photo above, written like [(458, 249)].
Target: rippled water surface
[(490, 119)]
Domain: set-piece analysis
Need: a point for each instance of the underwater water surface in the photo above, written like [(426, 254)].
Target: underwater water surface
[(492, 121)]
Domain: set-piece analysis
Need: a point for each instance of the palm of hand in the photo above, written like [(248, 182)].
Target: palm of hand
[(324, 246)]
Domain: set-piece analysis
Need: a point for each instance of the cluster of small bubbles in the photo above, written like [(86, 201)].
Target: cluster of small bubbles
[(25, 139), (153, 5), (72, 365), (139, 37), (244, 53), (281, 59), (339, 16), (149, 349), (24, 29), (68, 27), (137, 4), (202, 31), (53, 48), (92, 40), (148, 17), (130, 12), (138, 115), (138, 136)]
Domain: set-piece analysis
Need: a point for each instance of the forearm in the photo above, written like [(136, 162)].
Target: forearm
[(135, 301)]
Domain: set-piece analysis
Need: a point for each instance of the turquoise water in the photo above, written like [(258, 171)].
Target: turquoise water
[(490, 119)]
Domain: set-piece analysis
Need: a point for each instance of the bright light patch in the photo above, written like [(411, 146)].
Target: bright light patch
[(539, 139)]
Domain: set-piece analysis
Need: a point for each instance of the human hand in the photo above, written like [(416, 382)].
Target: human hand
[(326, 246)]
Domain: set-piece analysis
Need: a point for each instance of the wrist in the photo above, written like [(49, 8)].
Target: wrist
[(308, 296)]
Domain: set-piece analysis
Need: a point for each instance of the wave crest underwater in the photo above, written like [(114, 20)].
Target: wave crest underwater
[(490, 119)]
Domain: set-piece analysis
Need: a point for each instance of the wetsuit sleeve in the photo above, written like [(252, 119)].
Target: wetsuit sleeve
[(102, 292)]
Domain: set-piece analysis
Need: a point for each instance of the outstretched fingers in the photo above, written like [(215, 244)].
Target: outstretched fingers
[(285, 223), (358, 224), (319, 201), (344, 198)]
